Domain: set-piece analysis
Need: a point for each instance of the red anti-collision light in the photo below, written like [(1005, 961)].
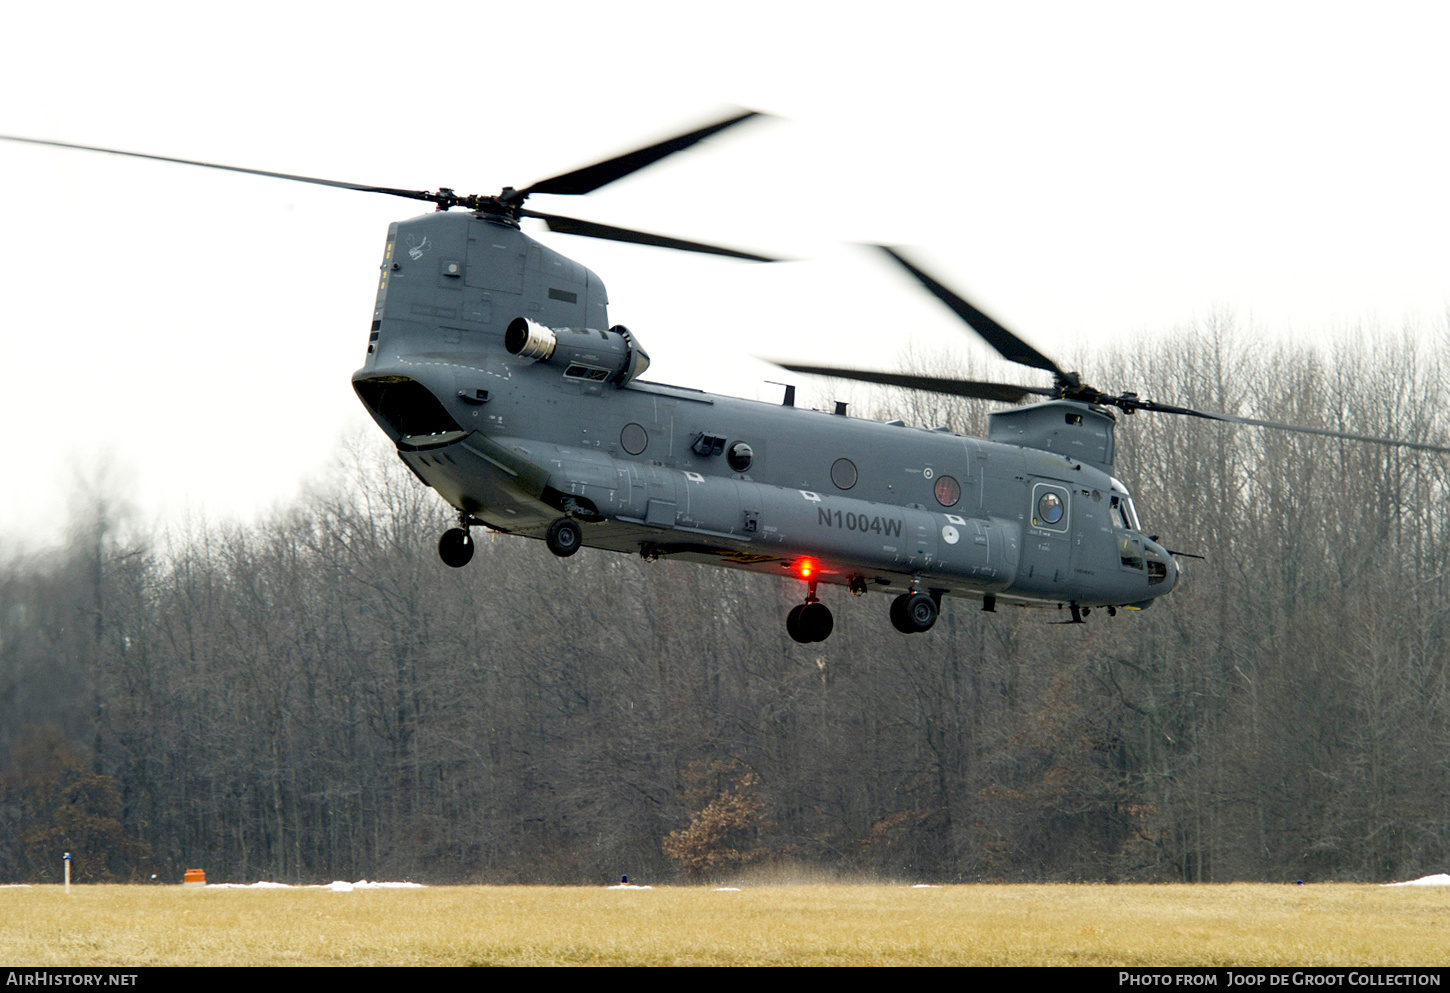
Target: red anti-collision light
[(805, 567)]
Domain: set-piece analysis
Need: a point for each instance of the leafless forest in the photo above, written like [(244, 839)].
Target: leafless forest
[(315, 696)]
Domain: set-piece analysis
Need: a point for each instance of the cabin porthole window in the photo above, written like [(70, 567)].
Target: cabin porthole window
[(948, 491), (843, 474), (633, 439), (740, 456)]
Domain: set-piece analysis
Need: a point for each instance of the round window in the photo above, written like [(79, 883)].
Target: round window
[(633, 439), (948, 491), (843, 473), (1049, 508), (739, 456)]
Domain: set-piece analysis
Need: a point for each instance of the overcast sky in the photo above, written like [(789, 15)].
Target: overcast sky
[(1087, 173)]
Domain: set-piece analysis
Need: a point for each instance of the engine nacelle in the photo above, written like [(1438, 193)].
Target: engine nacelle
[(585, 353)]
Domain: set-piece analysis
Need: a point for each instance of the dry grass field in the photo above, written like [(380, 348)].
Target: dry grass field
[(1079, 925)]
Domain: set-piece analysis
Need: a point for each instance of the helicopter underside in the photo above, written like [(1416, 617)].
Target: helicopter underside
[(494, 484)]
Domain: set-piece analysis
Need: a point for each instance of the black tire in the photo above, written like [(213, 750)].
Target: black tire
[(816, 621), (793, 625), (898, 614), (913, 613), (920, 611), (564, 537), (455, 548)]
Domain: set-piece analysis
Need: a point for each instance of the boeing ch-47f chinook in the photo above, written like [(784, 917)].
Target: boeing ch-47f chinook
[(492, 366)]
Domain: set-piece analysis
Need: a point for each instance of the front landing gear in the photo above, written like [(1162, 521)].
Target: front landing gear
[(455, 548), (810, 621)]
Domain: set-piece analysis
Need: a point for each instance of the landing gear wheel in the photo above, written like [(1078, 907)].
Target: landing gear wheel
[(816, 621), (913, 613), (810, 622), (898, 618), (793, 624), (564, 537), (455, 548)]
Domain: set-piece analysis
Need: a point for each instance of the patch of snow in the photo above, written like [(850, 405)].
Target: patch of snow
[(1439, 879)]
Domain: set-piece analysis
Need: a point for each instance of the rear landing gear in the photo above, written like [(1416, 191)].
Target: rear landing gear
[(913, 613), (564, 537)]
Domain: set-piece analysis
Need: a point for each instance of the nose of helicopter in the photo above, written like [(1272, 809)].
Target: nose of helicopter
[(1160, 558)]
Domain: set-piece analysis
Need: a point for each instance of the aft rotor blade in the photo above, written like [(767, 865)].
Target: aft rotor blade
[(589, 229), (592, 177), (410, 194), (999, 392), (1007, 344)]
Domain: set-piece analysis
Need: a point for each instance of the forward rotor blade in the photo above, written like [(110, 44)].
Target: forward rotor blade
[(589, 229), (1007, 344), (592, 177), (1005, 393), (1325, 432), (410, 194), (999, 392), (1130, 403)]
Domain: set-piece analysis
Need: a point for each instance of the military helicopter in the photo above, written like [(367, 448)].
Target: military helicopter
[(493, 368)]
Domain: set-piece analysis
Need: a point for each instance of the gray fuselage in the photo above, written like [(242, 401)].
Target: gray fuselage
[(517, 441)]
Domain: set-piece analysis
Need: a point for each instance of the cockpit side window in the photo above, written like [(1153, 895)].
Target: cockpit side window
[(1119, 514), (1122, 512), (1124, 515)]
